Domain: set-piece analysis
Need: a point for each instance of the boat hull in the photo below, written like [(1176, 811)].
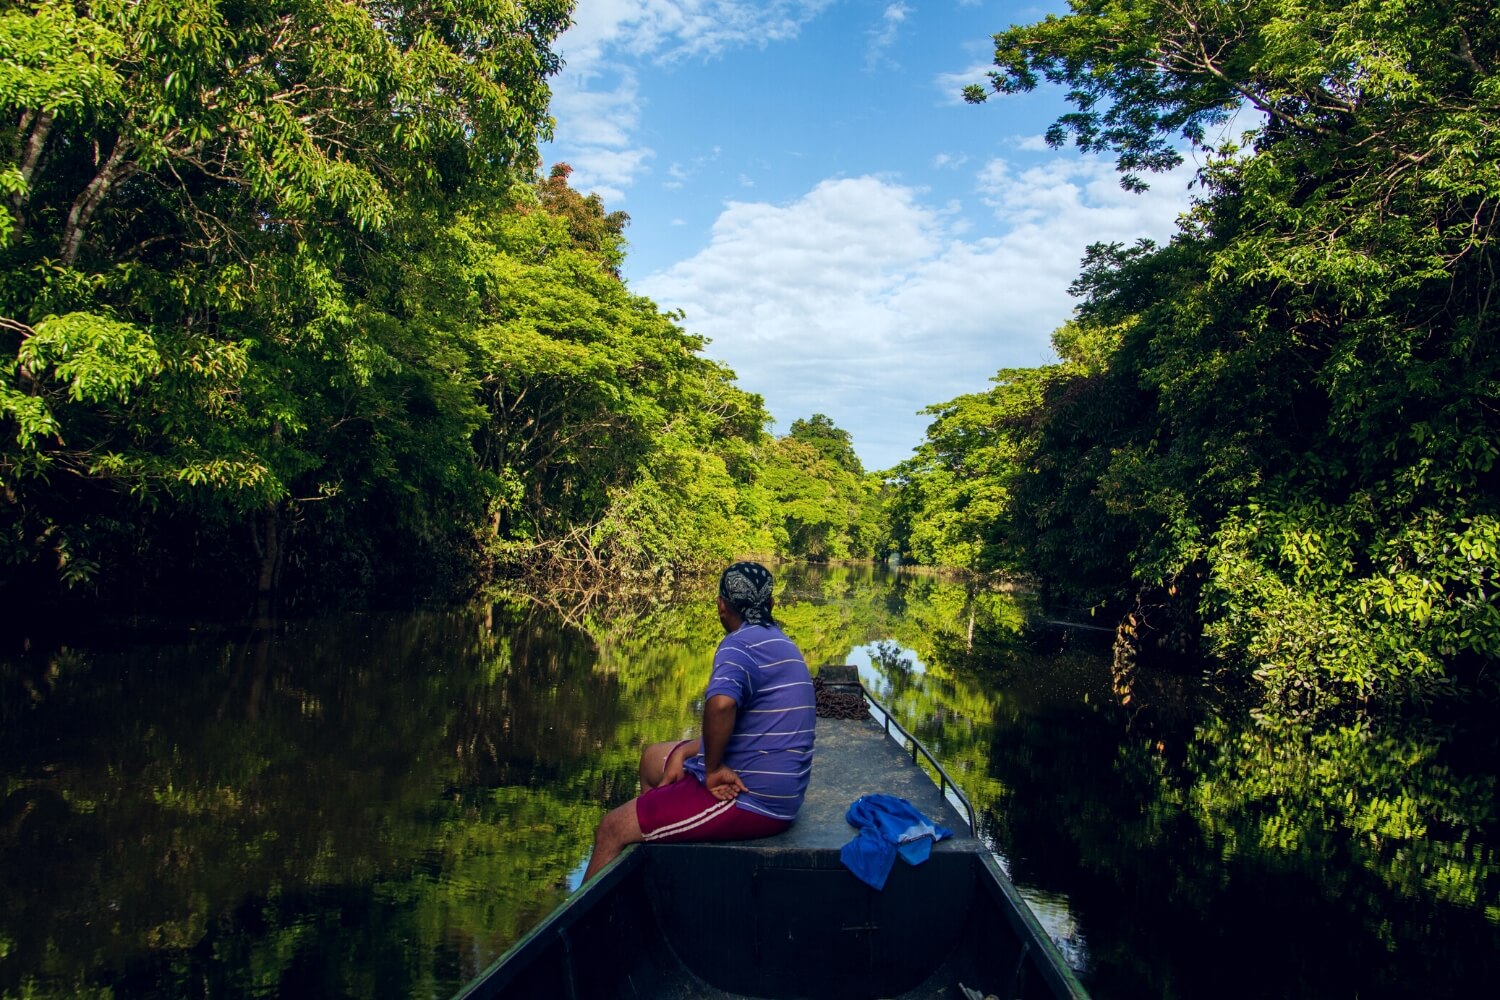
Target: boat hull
[(702, 921), (783, 917)]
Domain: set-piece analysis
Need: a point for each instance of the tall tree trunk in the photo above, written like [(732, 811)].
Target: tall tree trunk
[(115, 169), (264, 623), (40, 124), (270, 552)]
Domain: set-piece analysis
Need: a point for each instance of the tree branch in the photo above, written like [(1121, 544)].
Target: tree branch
[(115, 169), (6, 323), (41, 127), (1466, 54)]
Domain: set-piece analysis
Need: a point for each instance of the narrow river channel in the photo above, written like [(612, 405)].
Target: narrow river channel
[(378, 805)]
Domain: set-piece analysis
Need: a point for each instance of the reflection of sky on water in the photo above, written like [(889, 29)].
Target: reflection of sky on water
[(575, 877), (1051, 908), (1056, 918), (864, 657)]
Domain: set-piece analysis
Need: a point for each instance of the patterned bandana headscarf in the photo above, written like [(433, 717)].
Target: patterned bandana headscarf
[(746, 587)]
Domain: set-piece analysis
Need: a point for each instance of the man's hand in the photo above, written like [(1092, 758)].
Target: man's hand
[(723, 783)]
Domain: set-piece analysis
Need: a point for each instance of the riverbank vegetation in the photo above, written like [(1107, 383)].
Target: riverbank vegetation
[(1278, 432), (288, 308)]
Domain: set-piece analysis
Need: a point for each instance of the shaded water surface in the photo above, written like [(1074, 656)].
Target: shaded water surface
[(378, 806)]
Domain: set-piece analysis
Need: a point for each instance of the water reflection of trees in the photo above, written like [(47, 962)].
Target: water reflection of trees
[(380, 806), (1385, 793), (1190, 835), (299, 801)]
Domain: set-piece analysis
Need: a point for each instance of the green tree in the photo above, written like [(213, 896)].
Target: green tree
[(949, 502), (819, 507), (1300, 412), (592, 229), (833, 442), (616, 446), (199, 195)]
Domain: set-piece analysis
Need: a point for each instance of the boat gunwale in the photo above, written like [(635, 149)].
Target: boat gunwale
[(1030, 933), (946, 783), (1054, 966), (564, 915)]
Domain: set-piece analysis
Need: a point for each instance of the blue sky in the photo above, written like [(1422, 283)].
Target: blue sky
[(806, 185)]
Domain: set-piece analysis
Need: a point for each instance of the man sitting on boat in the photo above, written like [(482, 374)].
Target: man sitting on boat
[(747, 773)]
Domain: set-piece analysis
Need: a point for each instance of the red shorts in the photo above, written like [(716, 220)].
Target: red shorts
[(687, 811)]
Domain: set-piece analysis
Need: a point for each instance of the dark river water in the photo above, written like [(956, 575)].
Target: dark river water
[(377, 806)]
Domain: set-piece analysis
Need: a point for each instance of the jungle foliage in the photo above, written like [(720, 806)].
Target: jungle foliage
[(1281, 426), (287, 307)]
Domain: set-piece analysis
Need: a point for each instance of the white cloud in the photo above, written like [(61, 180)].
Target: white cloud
[(861, 301), (885, 34), (951, 85), (599, 117), (679, 173), (667, 30), (948, 161), (596, 99), (607, 171)]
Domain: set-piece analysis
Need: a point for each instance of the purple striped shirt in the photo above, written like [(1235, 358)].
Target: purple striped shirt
[(772, 746)]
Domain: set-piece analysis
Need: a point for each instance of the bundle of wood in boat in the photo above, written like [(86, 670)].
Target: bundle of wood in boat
[(834, 703)]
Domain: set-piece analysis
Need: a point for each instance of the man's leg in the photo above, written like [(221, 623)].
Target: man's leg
[(653, 762), (617, 830)]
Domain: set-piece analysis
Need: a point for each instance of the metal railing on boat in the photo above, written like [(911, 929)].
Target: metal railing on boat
[(946, 785)]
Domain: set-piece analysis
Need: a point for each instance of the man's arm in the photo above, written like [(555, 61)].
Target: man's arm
[(672, 770), (718, 725)]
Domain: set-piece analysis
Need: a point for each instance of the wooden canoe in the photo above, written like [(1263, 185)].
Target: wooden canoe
[(783, 918)]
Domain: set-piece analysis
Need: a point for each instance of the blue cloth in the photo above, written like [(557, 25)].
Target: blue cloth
[(887, 826)]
